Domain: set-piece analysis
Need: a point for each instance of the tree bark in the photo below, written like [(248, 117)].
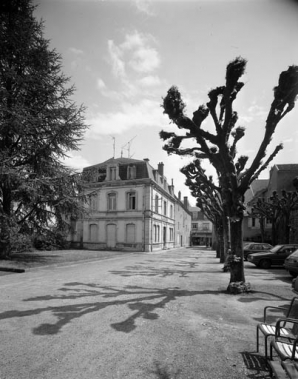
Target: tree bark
[(236, 258)]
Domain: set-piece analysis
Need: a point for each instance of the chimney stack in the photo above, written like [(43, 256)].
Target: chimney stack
[(160, 168), (186, 201), (179, 195)]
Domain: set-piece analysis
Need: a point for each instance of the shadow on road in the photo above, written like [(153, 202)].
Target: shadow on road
[(144, 302)]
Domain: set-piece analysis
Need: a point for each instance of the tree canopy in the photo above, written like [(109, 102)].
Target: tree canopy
[(39, 125)]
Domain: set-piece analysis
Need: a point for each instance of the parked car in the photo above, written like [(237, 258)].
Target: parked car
[(273, 257), (291, 264), (254, 247)]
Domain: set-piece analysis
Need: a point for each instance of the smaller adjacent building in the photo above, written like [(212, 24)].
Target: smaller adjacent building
[(201, 228), (280, 178)]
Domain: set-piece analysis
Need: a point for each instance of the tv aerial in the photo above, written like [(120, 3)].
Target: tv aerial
[(127, 148)]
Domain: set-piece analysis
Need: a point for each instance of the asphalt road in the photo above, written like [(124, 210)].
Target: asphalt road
[(158, 315)]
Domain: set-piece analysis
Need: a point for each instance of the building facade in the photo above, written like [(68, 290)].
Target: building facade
[(281, 178), (201, 228), (131, 207)]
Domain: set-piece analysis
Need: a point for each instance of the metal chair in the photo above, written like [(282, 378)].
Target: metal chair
[(269, 329)]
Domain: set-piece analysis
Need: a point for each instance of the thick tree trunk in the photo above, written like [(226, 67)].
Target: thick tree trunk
[(237, 267), (226, 239)]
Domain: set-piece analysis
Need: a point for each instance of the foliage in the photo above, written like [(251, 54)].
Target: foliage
[(220, 147), (39, 125)]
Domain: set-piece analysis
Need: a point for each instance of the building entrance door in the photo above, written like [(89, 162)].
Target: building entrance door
[(164, 236), (111, 235)]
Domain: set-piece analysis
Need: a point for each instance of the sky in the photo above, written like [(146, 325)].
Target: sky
[(123, 56)]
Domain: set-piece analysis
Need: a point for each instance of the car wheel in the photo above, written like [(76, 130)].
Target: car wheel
[(294, 274), (265, 264)]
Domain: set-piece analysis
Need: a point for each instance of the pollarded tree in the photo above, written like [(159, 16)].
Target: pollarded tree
[(209, 200), (278, 210), (220, 147), (39, 124)]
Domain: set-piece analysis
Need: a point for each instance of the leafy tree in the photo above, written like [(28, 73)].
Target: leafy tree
[(220, 147), (39, 124)]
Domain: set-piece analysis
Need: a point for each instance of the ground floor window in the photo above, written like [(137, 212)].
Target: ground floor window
[(130, 233), (156, 231), (171, 234)]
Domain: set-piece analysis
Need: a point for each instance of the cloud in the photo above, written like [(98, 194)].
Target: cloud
[(144, 59), (76, 162), (76, 51), (118, 66), (149, 81), (136, 52), (146, 113), (254, 112), (144, 6)]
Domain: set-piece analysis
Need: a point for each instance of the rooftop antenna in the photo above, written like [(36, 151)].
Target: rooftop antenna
[(113, 146), (127, 147)]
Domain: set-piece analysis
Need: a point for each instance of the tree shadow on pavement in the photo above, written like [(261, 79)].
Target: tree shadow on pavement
[(143, 302), (162, 372), (256, 363), (143, 269)]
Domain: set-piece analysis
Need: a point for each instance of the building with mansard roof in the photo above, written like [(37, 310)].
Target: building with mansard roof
[(131, 207)]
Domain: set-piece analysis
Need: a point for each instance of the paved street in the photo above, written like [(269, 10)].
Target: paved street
[(150, 315)]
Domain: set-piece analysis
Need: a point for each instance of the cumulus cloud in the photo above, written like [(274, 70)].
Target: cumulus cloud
[(76, 162), (136, 52), (146, 113)]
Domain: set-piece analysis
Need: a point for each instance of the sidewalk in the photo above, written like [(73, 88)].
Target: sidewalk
[(22, 262)]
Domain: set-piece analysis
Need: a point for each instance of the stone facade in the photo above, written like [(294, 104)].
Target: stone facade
[(131, 207)]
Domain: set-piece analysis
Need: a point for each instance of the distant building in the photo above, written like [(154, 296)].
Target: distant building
[(131, 207), (201, 228), (281, 178)]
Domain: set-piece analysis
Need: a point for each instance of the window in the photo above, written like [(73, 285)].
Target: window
[(130, 233), (156, 203), (156, 230), (131, 200), (165, 208), (171, 211), (131, 172), (112, 173), (205, 226), (253, 222), (194, 226), (171, 234), (111, 201), (93, 202), (93, 232)]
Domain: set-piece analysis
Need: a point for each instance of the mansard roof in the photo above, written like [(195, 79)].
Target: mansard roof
[(143, 171)]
